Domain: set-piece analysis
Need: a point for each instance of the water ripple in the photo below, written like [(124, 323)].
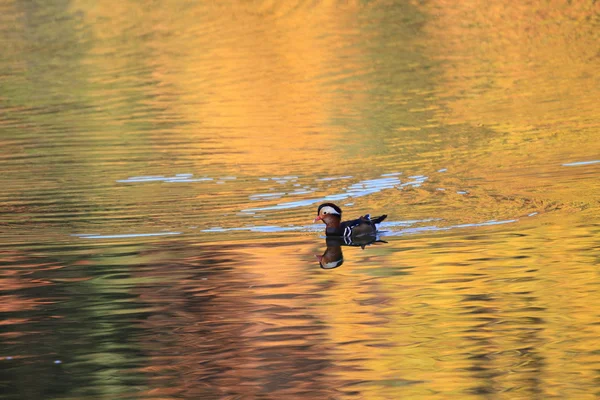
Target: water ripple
[(160, 178), (578, 163), (359, 189), (123, 236)]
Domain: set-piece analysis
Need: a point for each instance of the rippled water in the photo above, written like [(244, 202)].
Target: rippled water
[(162, 165)]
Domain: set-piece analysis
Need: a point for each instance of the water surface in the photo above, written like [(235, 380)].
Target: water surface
[(162, 164)]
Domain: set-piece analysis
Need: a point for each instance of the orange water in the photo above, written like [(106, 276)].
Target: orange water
[(162, 163)]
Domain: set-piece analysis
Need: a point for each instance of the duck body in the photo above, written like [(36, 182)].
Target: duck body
[(331, 215)]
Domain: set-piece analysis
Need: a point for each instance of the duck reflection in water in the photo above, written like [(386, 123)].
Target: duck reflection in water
[(333, 256)]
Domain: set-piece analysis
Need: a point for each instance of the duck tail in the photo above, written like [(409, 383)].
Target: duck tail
[(377, 220)]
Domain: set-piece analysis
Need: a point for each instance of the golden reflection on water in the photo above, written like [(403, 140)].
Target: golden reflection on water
[(441, 115), (526, 74), (247, 81)]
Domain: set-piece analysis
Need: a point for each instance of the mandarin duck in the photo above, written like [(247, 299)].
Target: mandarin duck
[(331, 215)]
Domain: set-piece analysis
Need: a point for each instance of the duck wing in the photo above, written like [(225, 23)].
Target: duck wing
[(361, 226), (358, 227)]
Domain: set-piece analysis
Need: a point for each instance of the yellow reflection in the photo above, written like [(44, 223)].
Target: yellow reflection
[(522, 64), (523, 75), (248, 81)]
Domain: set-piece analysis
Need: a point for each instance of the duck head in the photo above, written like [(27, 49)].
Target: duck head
[(330, 214)]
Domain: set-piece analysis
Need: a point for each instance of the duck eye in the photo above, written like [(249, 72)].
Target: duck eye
[(324, 212)]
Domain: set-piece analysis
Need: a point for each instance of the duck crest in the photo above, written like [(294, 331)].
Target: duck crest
[(336, 208)]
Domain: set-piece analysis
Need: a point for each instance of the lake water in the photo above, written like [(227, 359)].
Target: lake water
[(162, 163)]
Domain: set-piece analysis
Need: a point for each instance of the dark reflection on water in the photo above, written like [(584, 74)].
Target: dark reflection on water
[(160, 168), (333, 256)]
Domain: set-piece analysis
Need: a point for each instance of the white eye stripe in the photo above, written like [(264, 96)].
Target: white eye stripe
[(329, 210)]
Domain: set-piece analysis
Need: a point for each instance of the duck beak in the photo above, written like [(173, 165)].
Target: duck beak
[(319, 218)]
